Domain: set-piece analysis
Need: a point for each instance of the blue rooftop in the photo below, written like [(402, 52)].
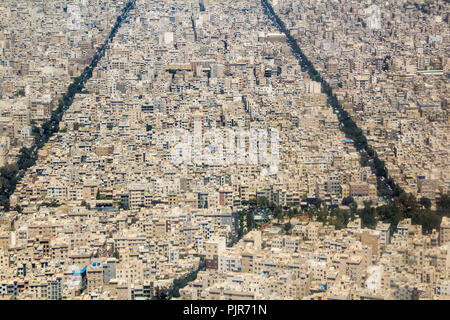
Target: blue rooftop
[(79, 271)]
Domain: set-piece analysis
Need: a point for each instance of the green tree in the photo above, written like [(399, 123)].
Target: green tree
[(160, 294), (250, 219), (287, 227), (443, 203), (262, 202), (425, 202), (353, 207), (86, 205), (323, 212), (318, 203), (278, 213), (291, 213), (6, 205), (348, 200), (368, 215)]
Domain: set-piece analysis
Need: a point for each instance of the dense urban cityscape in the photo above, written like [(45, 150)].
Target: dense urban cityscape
[(224, 150)]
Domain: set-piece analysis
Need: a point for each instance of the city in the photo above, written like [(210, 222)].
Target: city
[(224, 150)]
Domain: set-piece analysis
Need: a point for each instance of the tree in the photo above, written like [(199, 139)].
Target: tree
[(174, 291), (27, 156), (252, 202), (278, 213), (287, 227), (85, 204), (262, 202), (407, 202), (160, 294), (52, 204), (26, 159), (353, 207), (348, 200), (233, 239), (6, 205), (339, 218), (425, 202), (428, 219), (291, 213), (322, 215), (318, 202), (250, 218), (443, 203), (368, 215)]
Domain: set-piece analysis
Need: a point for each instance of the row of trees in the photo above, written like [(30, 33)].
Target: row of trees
[(386, 185), (11, 174), (174, 290), (400, 205), (264, 206), (403, 206)]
